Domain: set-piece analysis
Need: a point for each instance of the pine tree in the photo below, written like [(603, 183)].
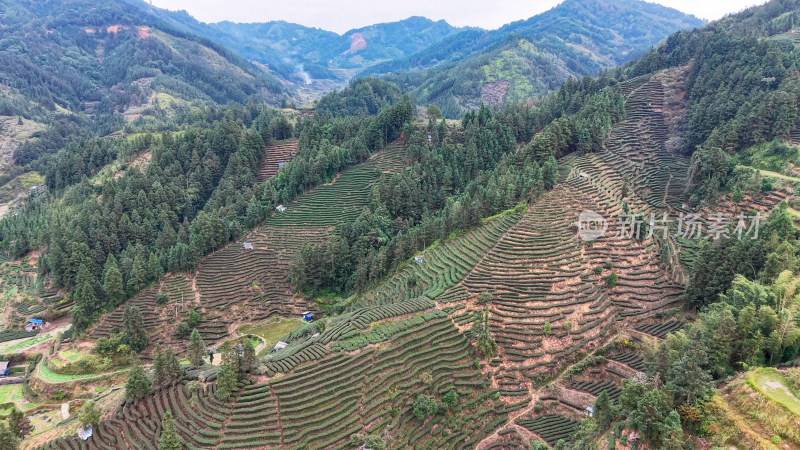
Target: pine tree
[(227, 380), (193, 318), (172, 367), (154, 270), (169, 439), (691, 377), (89, 414), (84, 293), (550, 173), (485, 342), (196, 350), (138, 276), (228, 376), (248, 356), (673, 432), (112, 282), (8, 441), (604, 413), (450, 398), (159, 374), (134, 334), (138, 386)]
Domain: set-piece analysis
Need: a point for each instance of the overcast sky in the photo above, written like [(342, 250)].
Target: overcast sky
[(343, 15)]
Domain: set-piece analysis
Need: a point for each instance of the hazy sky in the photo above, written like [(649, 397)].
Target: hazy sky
[(343, 15)]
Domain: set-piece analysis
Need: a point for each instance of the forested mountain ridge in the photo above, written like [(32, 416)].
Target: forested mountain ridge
[(455, 300), (79, 50), (575, 38), (311, 58), (83, 68)]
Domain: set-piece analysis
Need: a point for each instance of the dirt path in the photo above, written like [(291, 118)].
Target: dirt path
[(768, 173), (278, 409), (488, 440)]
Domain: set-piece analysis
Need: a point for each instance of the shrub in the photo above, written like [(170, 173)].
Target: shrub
[(89, 414), (424, 406), (183, 330), (450, 398), (612, 279), (161, 298)]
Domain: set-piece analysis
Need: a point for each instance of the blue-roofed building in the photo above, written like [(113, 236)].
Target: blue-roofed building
[(33, 325), (308, 316)]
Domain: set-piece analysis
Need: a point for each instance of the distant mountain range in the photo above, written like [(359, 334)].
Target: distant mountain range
[(118, 56), (453, 67), (110, 59), (529, 58)]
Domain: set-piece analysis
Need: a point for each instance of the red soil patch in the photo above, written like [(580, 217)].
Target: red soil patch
[(142, 32), (357, 42), (494, 94)]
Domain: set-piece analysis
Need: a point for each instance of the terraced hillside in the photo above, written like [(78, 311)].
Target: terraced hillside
[(237, 283), (259, 276), (278, 153), (553, 304), (321, 405)]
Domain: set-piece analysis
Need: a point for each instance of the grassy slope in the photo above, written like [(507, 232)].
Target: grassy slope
[(747, 416)]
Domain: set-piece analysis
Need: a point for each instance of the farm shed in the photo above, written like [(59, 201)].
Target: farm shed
[(419, 259), (280, 345), (308, 316), (33, 325), (4, 368), (280, 208), (247, 246)]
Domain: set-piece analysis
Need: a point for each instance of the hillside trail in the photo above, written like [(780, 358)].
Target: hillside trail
[(488, 440), (769, 173), (485, 442), (278, 411)]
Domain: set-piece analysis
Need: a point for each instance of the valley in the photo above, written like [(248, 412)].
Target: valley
[(565, 233)]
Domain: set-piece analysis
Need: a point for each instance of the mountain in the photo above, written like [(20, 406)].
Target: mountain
[(617, 263), (79, 68), (81, 56), (575, 38), (315, 60)]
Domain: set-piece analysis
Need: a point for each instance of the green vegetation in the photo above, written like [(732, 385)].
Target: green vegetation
[(47, 375), (771, 383), (452, 285), (272, 330)]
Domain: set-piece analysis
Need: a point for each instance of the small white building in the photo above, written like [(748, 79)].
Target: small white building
[(280, 208), (280, 345), (584, 175)]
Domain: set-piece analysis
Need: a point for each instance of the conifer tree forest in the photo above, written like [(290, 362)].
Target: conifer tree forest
[(199, 251)]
